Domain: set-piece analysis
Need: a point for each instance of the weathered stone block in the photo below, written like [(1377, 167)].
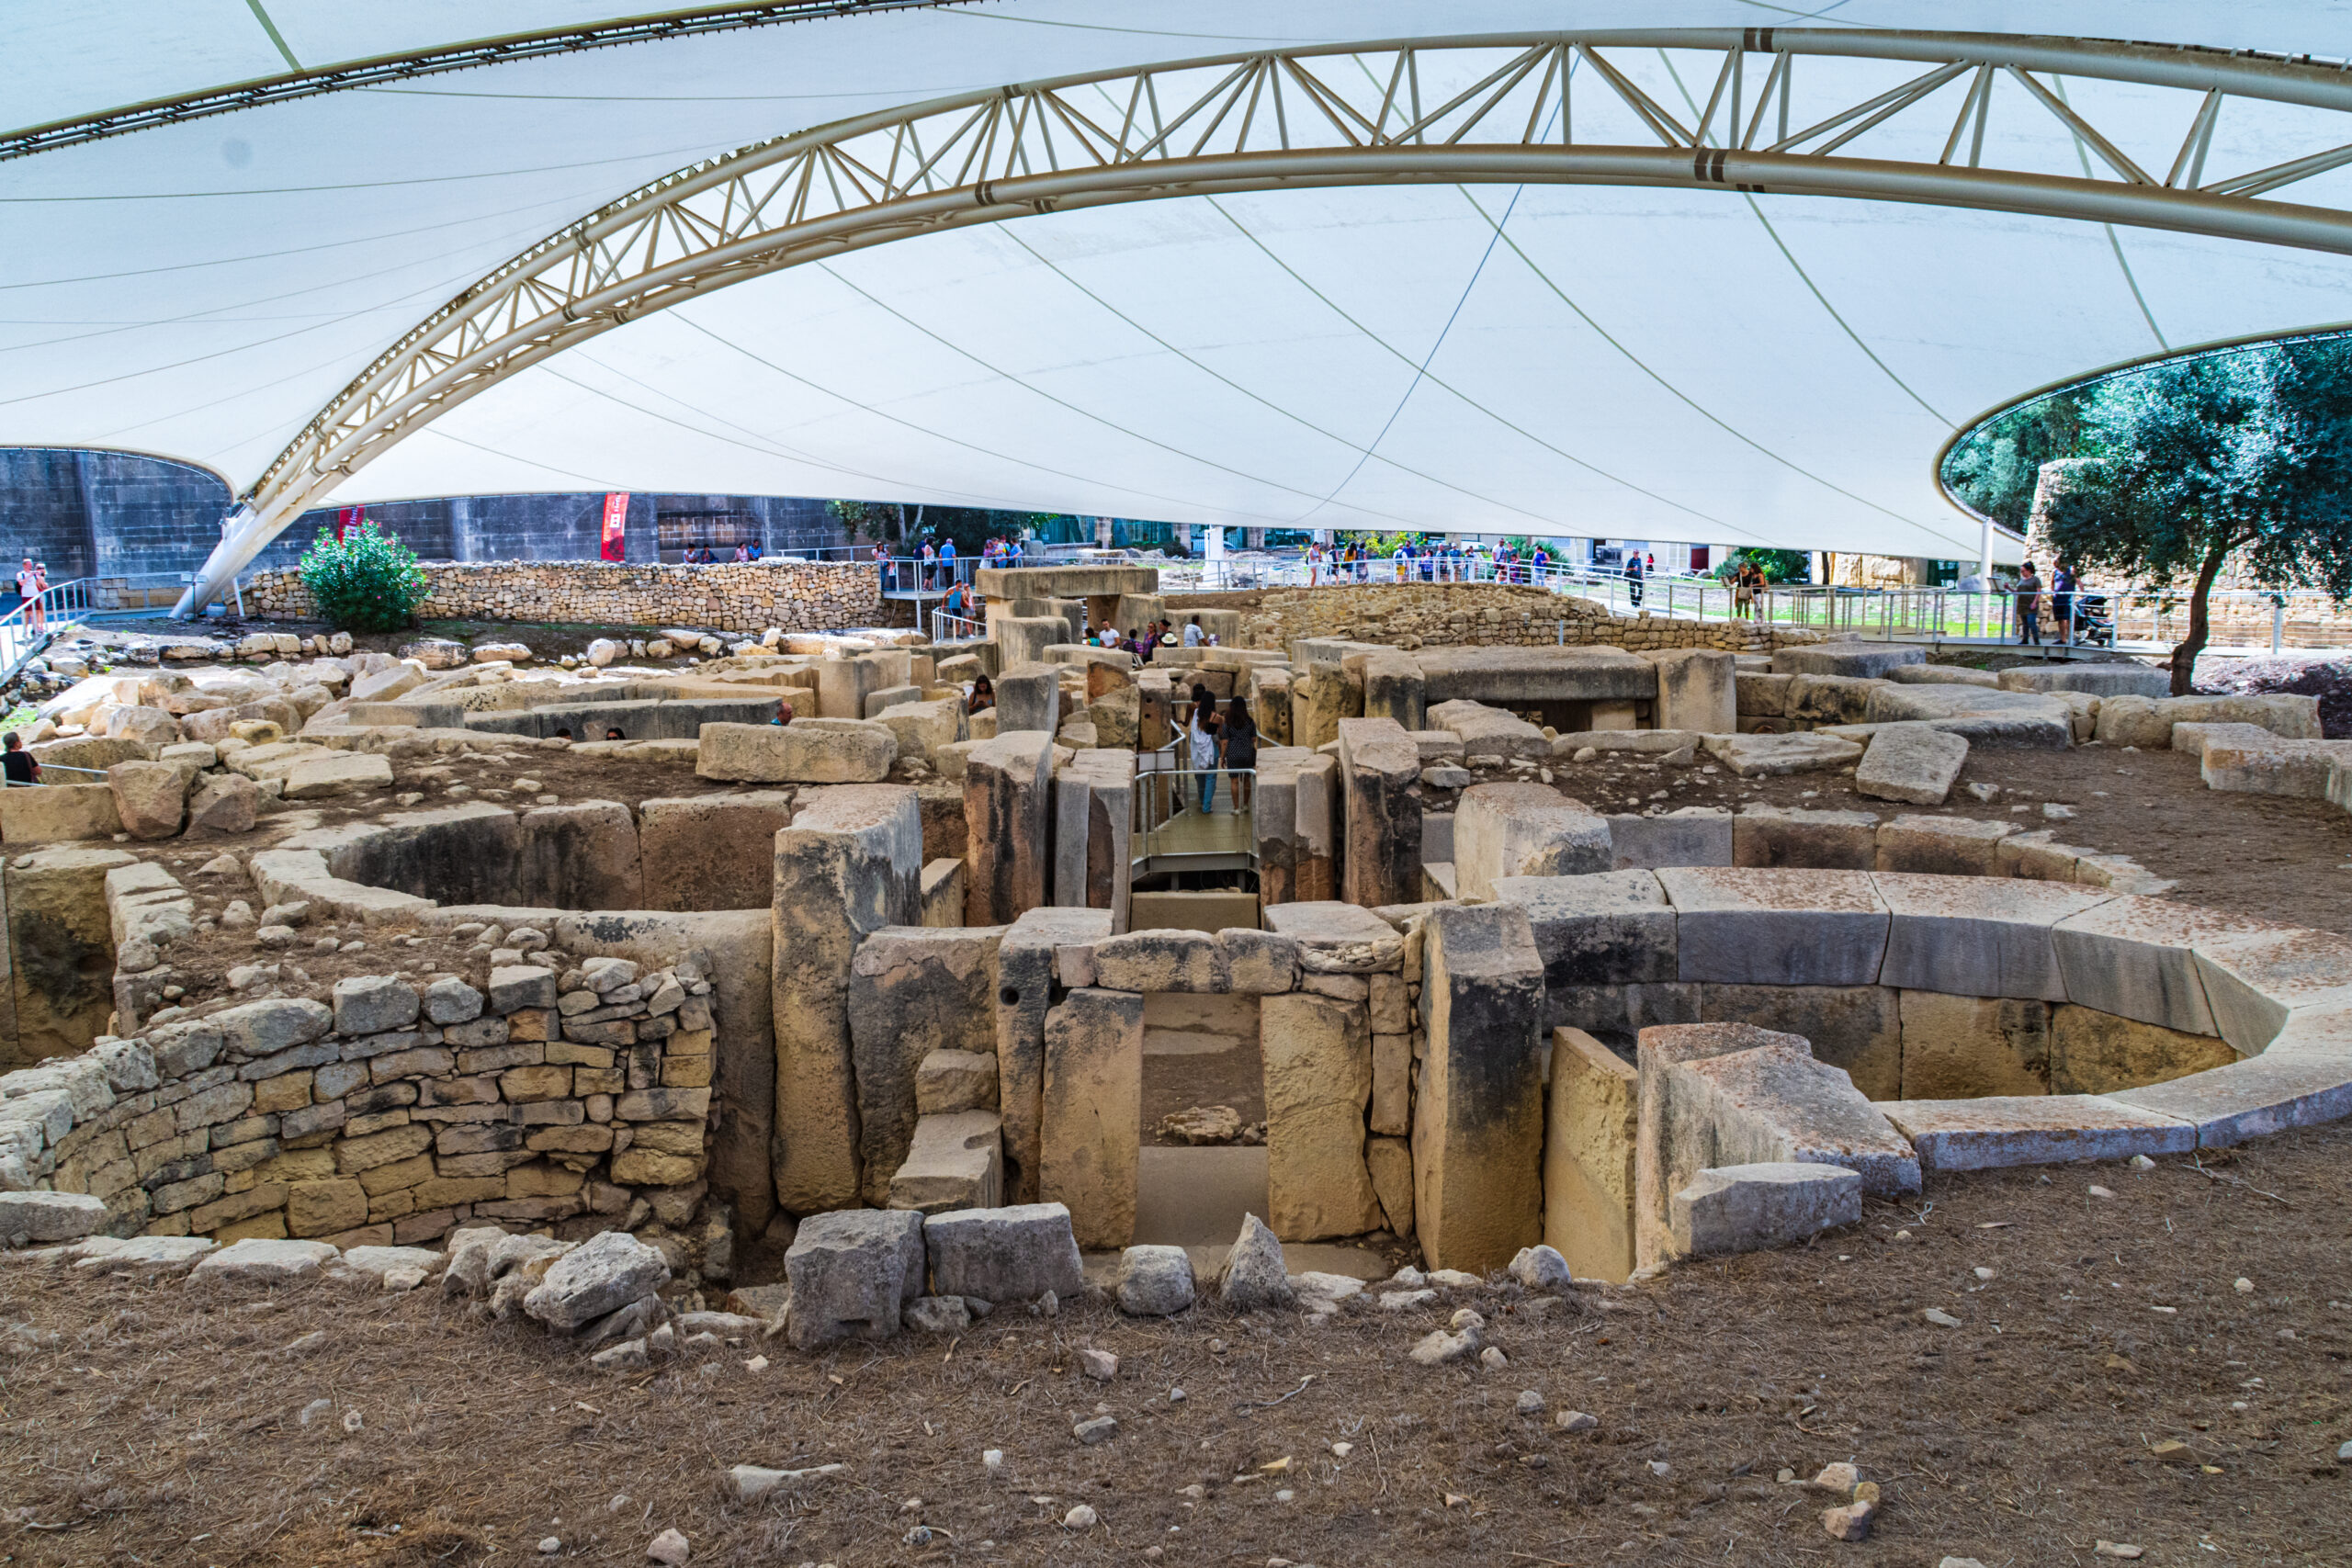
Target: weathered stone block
[(912, 990), (807, 750), (1764, 835), (1318, 1080), (1940, 846), (1378, 765), (1523, 829), (847, 868), (1608, 929), (1776, 928), (1590, 1121), (1856, 1028), (1478, 1126), (1695, 835), (1958, 1046), (1163, 960), (1983, 1134), (1911, 763), (1338, 938), (2095, 1052), (1025, 966), (1978, 936), (1750, 1208), (1007, 1255), (954, 1161), (1696, 690), (1092, 1113), (1007, 803), (2134, 956)]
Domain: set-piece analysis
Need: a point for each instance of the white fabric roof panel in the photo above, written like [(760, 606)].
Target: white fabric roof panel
[(1639, 363)]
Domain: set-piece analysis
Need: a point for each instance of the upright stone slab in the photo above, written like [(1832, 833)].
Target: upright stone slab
[(1028, 696), (1695, 690), (1092, 1121), (1093, 815), (1590, 1123), (1025, 991), (1910, 762), (712, 851), (1609, 929), (912, 990), (586, 855), (1959, 1048), (1478, 1121), (844, 685), (1767, 837), (1695, 835), (852, 1274), (850, 864), (1318, 1079), (1524, 830), (1392, 689), (1378, 765), (1008, 785), (1978, 936)]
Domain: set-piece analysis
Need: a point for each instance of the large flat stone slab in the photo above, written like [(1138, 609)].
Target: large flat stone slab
[(1695, 835), (1854, 658), (2135, 956), (1766, 837), (1336, 938), (1747, 927), (1770, 756), (1317, 1082), (1911, 763), (2247, 1099), (1609, 929), (2253, 983), (2049, 1129), (1591, 1117), (1091, 1120), (1978, 936)]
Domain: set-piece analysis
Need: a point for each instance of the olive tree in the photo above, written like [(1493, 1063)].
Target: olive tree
[(2241, 459)]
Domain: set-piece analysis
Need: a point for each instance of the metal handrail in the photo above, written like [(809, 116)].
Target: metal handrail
[(912, 574), (1159, 789), (946, 628)]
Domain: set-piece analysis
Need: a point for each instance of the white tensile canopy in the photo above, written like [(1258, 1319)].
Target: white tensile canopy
[(1392, 349)]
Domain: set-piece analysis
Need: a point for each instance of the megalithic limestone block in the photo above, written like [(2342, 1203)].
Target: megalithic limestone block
[(850, 864), (1008, 785), (1695, 690), (1025, 991), (1479, 1119), (1093, 1114), (912, 990), (1524, 830), (1028, 696), (1319, 1077), (1378, 765)]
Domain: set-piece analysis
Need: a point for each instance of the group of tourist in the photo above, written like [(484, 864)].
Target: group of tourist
[(703, 555), (1746, 583), (1219, 743), (2061, 589)]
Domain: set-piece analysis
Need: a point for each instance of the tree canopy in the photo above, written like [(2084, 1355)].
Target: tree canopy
[(2242, 459), (971, 526)]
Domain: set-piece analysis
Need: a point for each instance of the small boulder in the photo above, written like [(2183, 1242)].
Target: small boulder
[(1541, 1269), (936, 1314), (602, 1274), (150, 798), (1254, 1275), (225, 803), (1155, 1281)]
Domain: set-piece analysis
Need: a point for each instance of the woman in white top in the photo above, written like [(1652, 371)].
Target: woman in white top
[(1200, 733)]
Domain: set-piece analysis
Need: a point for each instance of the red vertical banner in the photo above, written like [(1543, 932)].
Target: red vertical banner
[(617, 526), (347, 518)]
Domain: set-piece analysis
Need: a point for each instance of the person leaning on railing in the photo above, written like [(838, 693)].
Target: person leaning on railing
[(19, 766)]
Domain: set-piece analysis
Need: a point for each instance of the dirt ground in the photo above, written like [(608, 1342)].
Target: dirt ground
[(160, 1424), (2284, 860)]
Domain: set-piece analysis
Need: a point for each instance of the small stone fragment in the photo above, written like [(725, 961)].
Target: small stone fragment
[(1082, 1517), (1940, 1319), (1100, 1365), (1575, 1421), (2122, 1548), (1851, 1522), (1097, 1430), (669, 1547), (1493, 1359), (1530, 1403), (1838, 1477)]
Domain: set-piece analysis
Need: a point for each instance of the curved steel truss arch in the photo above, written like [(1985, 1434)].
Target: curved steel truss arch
[(1547, 108)]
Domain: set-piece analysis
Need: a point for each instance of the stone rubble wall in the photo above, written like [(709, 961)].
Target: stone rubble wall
[(1444, 615), (795, 596), (577, 1098)]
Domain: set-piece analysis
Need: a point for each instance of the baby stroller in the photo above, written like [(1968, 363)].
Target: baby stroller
[(2094, 624)]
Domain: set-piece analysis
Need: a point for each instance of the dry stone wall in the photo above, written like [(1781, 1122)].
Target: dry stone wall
[(1444, 615), (796, 595), (390, 1118)]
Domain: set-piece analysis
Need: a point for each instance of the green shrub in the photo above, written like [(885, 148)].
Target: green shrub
[(367, 582)]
